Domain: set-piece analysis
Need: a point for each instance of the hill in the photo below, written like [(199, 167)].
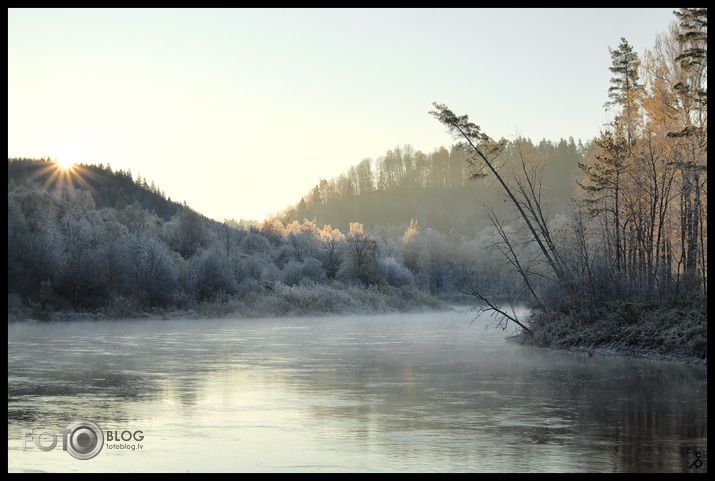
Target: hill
[(434, 189), (88, 241), (106, 187)]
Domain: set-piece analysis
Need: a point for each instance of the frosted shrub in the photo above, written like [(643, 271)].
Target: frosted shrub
[(310, 269), (394, 273), (302, 246), (211, 277), (247, 286), (292, 273), (256, 267), (313, 270), (257, 245)]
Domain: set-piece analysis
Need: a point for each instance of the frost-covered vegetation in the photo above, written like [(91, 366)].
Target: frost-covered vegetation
[(642, 330), (66, 257)]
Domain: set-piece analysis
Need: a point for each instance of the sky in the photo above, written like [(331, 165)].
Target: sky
[(240, 112)]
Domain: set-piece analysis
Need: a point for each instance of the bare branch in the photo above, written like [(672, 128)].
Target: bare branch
[(487, 150)]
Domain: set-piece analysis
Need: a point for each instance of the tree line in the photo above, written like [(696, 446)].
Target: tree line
[(433, 188), (106, 186), (67, 254)]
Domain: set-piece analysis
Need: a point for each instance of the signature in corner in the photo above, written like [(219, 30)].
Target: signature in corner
[(697, 463)]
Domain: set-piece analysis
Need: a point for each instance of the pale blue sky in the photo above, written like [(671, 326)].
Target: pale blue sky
[(240, 112)]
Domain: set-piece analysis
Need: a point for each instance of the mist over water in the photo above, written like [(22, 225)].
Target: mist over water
[(400, 392)]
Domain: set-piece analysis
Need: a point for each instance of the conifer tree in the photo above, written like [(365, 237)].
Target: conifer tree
[(625, 88), (693, 39)]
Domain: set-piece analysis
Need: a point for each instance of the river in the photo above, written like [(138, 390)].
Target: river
[(385, 393)]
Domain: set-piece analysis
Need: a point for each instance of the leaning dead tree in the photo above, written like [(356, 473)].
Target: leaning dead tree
[(524, 193)]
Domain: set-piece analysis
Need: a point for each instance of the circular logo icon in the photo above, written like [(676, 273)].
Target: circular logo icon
[(85, 439)]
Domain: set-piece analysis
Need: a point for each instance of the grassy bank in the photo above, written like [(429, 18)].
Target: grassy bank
[(630, 329), (278, 301)]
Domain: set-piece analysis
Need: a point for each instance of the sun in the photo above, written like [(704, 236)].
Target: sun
[(64, 163)]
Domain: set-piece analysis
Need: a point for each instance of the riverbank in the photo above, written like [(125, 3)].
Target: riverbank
[(275, 301), (644, 331)]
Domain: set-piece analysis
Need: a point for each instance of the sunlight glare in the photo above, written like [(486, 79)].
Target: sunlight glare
[(64, 163)]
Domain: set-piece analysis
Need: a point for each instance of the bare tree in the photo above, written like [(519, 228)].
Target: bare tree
[(523, 189), (485, 151)]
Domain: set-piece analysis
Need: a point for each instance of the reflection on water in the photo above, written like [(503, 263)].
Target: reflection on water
[(418, 392)]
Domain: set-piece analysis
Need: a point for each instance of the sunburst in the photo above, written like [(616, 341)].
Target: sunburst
[(64, 163), (59, 173)]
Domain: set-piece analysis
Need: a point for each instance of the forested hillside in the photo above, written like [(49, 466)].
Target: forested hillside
[(77, 245), (106, 187), (433, 188)]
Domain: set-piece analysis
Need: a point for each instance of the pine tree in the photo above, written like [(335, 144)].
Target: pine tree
[(625, 89), (693, 59)]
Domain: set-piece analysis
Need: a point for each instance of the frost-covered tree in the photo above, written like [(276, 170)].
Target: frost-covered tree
[(113, 254), (302, 240), (81, 281), (309, 269), (394, 273), (331, 250), (360, 263), (210, 277), (35, 243), (255, 244), (187, 233), (427, 254), (155, 272)]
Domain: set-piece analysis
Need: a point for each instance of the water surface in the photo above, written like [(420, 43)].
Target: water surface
[(401, 392)]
